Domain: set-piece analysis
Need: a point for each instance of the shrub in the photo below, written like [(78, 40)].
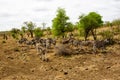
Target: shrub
[(107, 34), (38, 32)]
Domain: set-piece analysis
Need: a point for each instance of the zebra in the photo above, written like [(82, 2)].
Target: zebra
[(22, 41), (41, 51), (100, 44)]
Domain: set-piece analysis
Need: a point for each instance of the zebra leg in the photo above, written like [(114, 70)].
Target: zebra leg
[(94, 49)]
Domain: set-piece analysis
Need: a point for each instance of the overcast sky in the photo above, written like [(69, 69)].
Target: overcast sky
[(14, 12)]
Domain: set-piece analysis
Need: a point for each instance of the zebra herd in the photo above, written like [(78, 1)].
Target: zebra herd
[(42, 45)]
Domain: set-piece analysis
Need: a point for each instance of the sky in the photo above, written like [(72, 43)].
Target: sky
[(14, 12)]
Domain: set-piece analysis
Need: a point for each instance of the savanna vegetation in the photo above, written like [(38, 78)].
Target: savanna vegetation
[(85, 50)]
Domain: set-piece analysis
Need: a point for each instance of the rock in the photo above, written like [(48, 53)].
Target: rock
[(65, 73), (86, 69), (108, 67), (10, 57)]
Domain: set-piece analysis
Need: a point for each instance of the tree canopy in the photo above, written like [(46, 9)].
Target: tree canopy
[(30, 27), (59, 22), (90, 22), (69, 27)]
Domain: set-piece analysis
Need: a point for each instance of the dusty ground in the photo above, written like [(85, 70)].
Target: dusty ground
[(25, 65)]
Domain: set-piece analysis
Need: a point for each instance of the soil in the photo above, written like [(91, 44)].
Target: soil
[(23, 63)]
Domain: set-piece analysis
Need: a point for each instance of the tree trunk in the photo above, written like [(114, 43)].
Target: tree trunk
[(86, 34), (31, 33), (5, 36), (94, 35), (28, 34)]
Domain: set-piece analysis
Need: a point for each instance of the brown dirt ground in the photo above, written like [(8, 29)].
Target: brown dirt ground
[(26, 65)]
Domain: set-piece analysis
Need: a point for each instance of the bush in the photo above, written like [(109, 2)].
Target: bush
[(107, 34), (15, 36), (38, 32)]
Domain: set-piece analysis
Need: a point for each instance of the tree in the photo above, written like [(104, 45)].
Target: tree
[(59, 22), (90, 23), (5, 36), (30, 27), (38, 32)]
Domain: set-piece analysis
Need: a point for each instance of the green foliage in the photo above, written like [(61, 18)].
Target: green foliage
[(15, 30), (81, 29), (69, 27), (81, 32), (15, 33), (76, 26), (59, 23), (89, 23), (106, 34), (48, 29), (21, 33), (38, 32), (23, 29)]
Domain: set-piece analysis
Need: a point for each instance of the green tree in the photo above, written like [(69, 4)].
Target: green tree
[(38, 32), (30, 27), (59, 22), (90, 23)]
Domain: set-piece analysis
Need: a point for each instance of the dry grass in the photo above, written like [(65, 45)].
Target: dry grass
[(26, 65)]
